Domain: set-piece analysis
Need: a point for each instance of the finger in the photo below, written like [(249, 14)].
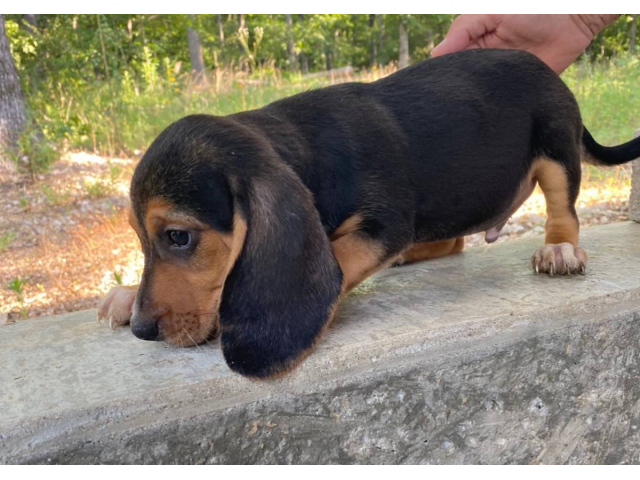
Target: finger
[(454, 42), (465, 32)]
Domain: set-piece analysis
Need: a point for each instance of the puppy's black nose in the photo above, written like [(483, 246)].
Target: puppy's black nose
[(145, 329)]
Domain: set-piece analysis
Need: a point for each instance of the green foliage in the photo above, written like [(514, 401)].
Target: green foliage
[(6, 239), (117, 277), (33, 153), (609, 96), (97, 189), (111, 83), (54, 198), (17, 285)]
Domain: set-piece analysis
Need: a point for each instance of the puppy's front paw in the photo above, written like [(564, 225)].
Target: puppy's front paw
[(117, 304), (560, 259)]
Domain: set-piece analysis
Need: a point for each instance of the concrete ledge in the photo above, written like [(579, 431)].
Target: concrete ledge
[(634, 201), (468, 359)]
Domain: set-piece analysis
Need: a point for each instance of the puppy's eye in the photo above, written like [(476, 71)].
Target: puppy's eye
[(179, 238)]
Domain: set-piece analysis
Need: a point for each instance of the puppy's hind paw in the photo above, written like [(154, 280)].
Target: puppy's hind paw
[(117, 305), (560, 259)]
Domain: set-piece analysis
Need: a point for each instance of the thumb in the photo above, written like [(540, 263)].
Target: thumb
[(465, 31), (456, 40)]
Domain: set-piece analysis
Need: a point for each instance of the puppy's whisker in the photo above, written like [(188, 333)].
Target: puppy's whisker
[(180, 332), (194, 342)]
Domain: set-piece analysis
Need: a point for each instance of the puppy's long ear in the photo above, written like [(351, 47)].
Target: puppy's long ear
[(283, 287)]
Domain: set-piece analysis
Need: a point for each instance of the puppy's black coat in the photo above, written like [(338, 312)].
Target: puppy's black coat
[(436, 151)]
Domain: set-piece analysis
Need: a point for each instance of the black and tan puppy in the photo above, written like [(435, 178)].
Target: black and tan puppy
[(254, 224)]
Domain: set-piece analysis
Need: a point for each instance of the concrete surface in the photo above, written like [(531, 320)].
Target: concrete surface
[(634, 201), (467, 359)]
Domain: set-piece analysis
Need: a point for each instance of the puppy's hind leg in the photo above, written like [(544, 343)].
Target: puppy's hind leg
[(560, 183), (429, 251)]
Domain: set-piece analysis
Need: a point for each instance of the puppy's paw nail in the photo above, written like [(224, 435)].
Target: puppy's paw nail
[(560, 259), (117, 306)]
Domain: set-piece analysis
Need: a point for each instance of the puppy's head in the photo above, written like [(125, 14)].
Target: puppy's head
[(232, 243)]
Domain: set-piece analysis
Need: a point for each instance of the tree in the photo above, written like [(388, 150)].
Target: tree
[(220, 28), (381, 29), (373, 45), (403, 48), (30, 23), (304, 59), (12, 107), (633, 31), (290, 52), (195, 51)]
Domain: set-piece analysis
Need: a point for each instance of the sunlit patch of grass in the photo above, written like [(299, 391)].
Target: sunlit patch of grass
[(74, 273), (608, 93), (117, 276), (17, 286)]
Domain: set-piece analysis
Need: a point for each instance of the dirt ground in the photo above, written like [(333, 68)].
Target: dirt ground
[(65, 240)]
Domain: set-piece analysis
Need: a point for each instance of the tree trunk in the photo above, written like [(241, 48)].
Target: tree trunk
[(381, 32), (329, 59), (195, 51), (31, 19), (403, 50), (430, 39), (373, 45), (304, 59), (293, 61), (220, 28), (31, 23), (12, 108), (633, 31)]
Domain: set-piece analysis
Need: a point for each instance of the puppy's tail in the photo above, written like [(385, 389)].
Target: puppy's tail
[(601, 155)]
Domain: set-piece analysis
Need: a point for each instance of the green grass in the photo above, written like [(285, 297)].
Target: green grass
[(17, 286), (127, 114), (117, 277), (609, 97), (6, 239), (98, 189), (54, 198)]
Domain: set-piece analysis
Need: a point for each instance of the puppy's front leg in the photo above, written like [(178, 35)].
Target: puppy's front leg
[(358, 258), (117, 305)]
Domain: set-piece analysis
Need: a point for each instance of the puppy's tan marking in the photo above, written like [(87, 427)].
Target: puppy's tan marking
[(562, 225), (350, 225), (561, 254), (156, 211), (186, 295), (358, 258), (428, 251)]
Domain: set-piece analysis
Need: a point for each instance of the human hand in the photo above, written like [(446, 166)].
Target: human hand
[(556, 39)]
